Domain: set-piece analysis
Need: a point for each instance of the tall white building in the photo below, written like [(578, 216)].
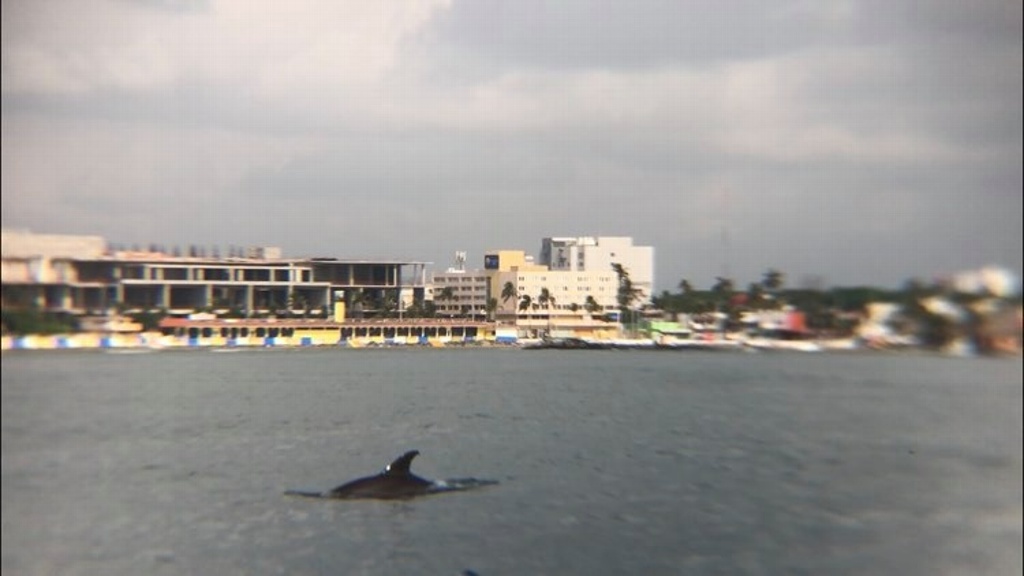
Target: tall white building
[(597, 254), (461, 292)]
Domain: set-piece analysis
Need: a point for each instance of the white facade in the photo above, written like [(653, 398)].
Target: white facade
[(597, 254), (567, 290), (468, 292), (44, 258)]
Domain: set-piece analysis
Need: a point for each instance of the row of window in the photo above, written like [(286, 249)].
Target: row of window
[(213, 274), (234, 332), (580, 279), (459, 279), (564, 288)]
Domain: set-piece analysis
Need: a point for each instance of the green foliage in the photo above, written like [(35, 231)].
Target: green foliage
[(150, 320), (34, 321), (415, 310), (856, 298), (933, 330), (545, 298), (234, 313), (773, 280), (429, 310), (525, 303), (627, 293), (508, 292), (446, 294)]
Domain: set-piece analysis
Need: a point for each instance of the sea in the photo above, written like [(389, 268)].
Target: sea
[(606, 462)]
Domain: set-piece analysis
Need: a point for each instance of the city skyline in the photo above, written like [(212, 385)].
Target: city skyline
[(849, 142)]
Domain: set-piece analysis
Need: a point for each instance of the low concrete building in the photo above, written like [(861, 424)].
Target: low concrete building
[(81, 275)]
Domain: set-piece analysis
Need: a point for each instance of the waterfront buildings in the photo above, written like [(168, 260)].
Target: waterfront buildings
[(597, 254), (460, 292), (84, 276), (81, 275), (539, 300)]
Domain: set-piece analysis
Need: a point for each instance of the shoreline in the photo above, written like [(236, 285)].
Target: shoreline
[(142, 342)]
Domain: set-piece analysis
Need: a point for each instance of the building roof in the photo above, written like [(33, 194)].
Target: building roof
[(143, 257)]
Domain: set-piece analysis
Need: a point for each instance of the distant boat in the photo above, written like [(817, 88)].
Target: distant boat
[(700, 345), (565, 344), (783, 345)]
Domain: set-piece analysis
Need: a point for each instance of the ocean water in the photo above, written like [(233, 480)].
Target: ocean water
[(608, 462)]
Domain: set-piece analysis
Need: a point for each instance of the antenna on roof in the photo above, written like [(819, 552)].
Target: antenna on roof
[(725, 197)]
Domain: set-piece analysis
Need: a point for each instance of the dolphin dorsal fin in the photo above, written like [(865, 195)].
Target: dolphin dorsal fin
[(401, 464)]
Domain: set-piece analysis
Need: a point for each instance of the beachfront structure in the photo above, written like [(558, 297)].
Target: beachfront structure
[(558, 299), (560, 303), (461, 293), (557, 292), (81, 275), (596, 254)]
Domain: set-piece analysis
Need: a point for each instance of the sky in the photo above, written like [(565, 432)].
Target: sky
[(838, 142)]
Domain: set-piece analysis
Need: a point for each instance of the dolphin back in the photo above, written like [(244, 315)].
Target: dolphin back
[(396, 481)]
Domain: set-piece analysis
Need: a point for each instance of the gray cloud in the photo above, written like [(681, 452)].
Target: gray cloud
[(857, 142)]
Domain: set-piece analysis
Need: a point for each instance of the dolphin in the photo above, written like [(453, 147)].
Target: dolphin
[(395, 482)]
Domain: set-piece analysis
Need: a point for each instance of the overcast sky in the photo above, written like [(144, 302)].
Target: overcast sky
[(845, 142)]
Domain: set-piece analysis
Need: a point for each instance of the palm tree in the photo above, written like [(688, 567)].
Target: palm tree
[(295, 301), (545, 297), (546, 300), (508, 292), (755, 295), (388, 304), (627, 293), (723, 286), (591, 305), (685, 287), (525, 303), (773, 280), (723, 290), (446, 295)]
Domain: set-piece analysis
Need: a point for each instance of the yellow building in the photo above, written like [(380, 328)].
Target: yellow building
[(565, 309)]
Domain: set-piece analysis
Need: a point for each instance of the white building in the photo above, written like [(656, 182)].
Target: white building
[(460, 292), (597, 254), (576, 302), (568, 292)]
